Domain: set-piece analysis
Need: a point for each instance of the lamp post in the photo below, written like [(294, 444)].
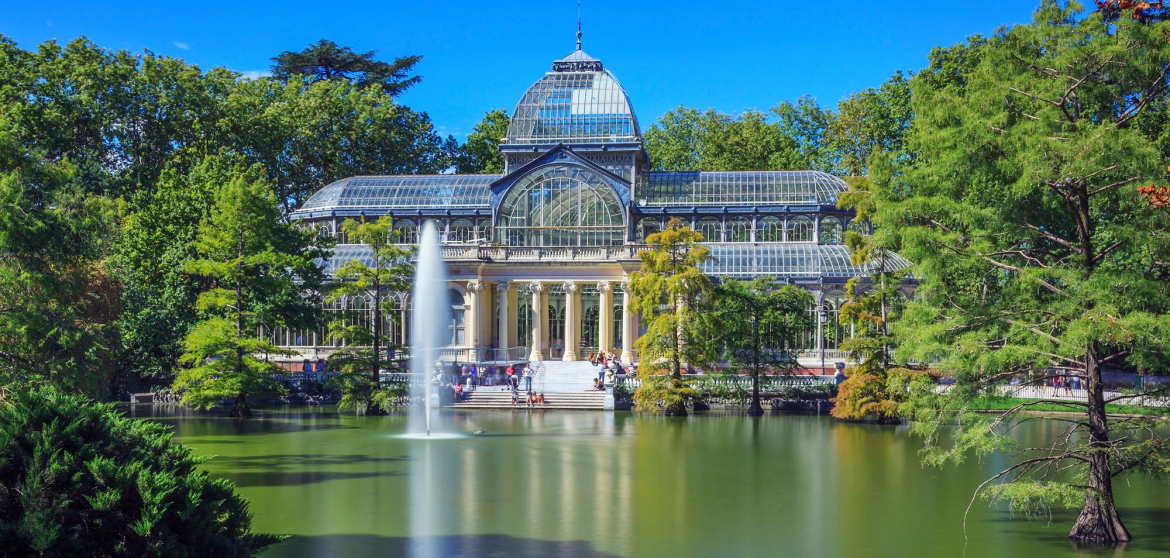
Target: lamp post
[(821, 316)]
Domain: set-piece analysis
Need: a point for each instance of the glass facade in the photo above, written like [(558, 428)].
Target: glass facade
[(564, 219), (741, 188), (561, 206), (573, 106), (412, 192)]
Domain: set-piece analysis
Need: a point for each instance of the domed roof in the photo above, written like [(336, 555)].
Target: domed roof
[(579, 101)]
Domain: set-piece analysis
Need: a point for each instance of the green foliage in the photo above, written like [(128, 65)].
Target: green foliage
[(674, 300), (79, 479), (759, 323), (325, 60), (156, 245), (481, 152), (262, 271), (57, 303), (879, 395), (1019, 210), (796, 135), (364, 355)]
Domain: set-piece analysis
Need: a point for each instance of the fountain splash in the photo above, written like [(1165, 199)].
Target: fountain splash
[(427, 329)]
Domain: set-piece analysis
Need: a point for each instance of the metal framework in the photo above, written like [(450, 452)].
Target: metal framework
[(795, 260), (578, 102), (741, 188), (435, 191), (561, 206)]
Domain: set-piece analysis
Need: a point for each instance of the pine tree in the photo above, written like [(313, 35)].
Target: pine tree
[(361, 361), (264, 276), (673, 297)]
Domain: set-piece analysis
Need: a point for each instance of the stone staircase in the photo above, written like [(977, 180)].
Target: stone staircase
[(490, 398), (558, 376)]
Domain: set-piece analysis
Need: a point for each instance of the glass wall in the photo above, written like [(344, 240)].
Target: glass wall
[(561, 205)]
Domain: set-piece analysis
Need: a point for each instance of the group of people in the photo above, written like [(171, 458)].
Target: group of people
[(526, 374), (605, 361), (531, 400)]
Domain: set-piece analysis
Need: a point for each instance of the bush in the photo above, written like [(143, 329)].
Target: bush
[(79, 479)]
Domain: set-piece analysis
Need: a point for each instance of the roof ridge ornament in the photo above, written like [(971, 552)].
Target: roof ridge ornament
[(578, 61)]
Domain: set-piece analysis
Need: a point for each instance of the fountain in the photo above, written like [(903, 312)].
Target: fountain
[(428, 330)]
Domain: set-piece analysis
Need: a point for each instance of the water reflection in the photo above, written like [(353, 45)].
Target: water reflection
[(605, 484)]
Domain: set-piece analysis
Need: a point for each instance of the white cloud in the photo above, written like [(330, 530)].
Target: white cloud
[(183, 46), (49, 23), (253, 74)]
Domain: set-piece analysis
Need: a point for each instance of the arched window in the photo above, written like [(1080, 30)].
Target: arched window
[(800, 229), (462, 231), (648, 226), (485, 231), (589, 331), (739, 229), (770, 229), (562, 205), (407, 232), (709, 228), (831, 230), (858, 226)]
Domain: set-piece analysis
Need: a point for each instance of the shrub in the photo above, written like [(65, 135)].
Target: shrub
[(79, 479)]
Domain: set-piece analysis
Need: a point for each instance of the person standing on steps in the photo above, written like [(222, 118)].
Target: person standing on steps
[(528, 379)]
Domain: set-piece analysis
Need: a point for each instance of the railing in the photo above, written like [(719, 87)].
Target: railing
[(767, 383), (542, 253), (830, 354), (483, 354), (1069, 394)]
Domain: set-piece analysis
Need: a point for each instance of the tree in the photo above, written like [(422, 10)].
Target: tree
[(325, 60), (759, 321), (673, 296), (481, 152), (150, 259), (79, 479), (264, 276), (389, 271), (1020, 212), (686, 140), (58, 306)]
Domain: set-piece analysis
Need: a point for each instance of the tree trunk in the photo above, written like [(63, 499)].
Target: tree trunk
[(377, 333), (1099, 521), (755, 409), (240, 408)]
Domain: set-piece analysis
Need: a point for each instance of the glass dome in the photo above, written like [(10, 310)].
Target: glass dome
[(578, 102)]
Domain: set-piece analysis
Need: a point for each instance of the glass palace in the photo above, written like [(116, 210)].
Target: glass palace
[(539, 256)]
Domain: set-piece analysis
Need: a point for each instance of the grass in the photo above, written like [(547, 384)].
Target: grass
[(1003, 404)]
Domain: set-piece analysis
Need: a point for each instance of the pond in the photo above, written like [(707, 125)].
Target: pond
[(594, 484)]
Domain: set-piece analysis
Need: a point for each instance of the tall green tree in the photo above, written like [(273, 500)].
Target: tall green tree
[(58, 306), (684, 139), (264, 276), (1020, 212), (151, 255), (759, 321), (387, 272), (325, 60), (481, 152), (673, 297)]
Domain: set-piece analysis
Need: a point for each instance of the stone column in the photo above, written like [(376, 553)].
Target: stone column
[(538, 321), (571, 321), (627, 357), (475, 310), (820, 298), (604, 316), (503, 328)]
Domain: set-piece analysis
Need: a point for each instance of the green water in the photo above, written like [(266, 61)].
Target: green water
[(586, 484)]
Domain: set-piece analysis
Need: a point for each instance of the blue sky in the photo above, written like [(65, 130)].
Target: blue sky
[(481, 55)]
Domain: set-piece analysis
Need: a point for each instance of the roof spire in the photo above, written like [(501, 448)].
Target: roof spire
[(578, 24)]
